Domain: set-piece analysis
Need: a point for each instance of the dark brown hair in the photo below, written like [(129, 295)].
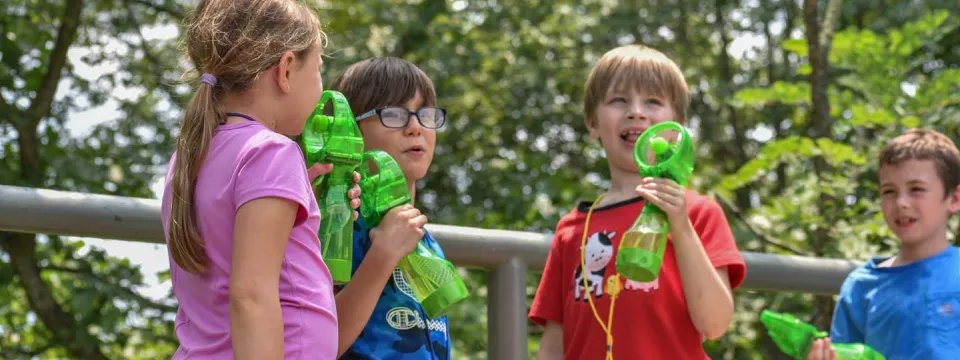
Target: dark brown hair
[(235, 41), (383, 81), (923, 144), (641, 67)]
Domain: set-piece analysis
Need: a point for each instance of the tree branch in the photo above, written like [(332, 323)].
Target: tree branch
[(22, 250), (174, 9), (820, 118), (155, 64), (31, 169), (107, 282), (830, 21), (67, 32), (762, 236), (22, 247), (724, 89), (821, 127)]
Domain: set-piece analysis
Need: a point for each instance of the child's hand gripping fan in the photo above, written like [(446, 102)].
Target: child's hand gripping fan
[(433, 280), (795, 337), (641, 251), (336, 140)]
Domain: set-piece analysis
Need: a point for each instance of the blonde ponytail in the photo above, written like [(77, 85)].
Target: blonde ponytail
[(200, 121)]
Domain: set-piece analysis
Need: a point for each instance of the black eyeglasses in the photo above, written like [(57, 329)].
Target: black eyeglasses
[(397, 117)]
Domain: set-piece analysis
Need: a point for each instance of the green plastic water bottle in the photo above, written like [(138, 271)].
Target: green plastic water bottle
[(433, 280), (795, 338), (336, 140), (643, 245)]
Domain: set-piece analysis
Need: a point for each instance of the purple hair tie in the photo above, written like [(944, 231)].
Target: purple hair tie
[(208, 79)]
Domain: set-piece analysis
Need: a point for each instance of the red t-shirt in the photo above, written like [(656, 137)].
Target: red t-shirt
[(651, 320)]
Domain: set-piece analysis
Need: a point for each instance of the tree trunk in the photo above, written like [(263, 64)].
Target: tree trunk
[(724, 90), (22, 247), (778, 111), (821, 123)]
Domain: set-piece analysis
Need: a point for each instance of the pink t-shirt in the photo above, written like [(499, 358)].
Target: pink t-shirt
[(246, 161)]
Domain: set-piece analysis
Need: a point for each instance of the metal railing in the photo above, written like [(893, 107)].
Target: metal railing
[(508, 254)]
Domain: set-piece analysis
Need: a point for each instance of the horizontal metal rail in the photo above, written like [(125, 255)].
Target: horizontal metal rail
[(507, 253), (46, 211)]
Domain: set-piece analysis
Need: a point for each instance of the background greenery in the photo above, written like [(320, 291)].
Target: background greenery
[(786, 131)]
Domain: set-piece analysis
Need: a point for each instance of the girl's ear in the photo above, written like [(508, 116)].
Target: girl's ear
[(284, 71)]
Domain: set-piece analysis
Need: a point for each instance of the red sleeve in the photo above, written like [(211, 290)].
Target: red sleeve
[(548, 302), (711, 225)]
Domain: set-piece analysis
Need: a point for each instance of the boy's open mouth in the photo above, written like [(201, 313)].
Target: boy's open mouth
[(416, 149), (631, 135), (905, 221)]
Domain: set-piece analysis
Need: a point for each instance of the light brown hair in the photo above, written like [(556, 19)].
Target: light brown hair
[(923, 144), (645, 69), (235, 41), (383, 81)]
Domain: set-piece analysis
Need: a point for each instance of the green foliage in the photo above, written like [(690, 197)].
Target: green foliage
[(779, 92)]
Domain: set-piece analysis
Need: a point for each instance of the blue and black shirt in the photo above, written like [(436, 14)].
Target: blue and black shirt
[(398, 328)]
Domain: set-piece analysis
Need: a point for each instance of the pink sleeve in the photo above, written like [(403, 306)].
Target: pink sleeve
[(273, 169)]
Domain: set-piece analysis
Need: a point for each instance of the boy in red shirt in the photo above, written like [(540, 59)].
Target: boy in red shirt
[(630, 89)]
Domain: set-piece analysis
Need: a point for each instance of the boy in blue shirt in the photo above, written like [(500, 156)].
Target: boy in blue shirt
[(379, 317), (908, 306)]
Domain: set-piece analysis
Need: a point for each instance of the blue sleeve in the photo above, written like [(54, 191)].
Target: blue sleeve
[(845, 328)]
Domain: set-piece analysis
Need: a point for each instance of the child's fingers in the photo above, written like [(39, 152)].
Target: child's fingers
[(660, 196), (317, 170), (405, 211), (356, 177), (663, 187), (662, 181), (647, 194), (420, 221), (821, 350), (816, 350), (655, 197), (667, 187), (354, 192), (355, 203), (830, 354)]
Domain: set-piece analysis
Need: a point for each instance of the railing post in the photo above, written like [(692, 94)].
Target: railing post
[(507, 311)]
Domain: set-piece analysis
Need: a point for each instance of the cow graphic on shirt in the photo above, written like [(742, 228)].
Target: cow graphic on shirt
[(598, 253)]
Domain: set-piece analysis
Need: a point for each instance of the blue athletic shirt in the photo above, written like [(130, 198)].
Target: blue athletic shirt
[(398, 328), (904, 312)]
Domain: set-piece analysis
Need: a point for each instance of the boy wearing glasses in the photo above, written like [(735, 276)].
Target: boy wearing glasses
[(378, 315)]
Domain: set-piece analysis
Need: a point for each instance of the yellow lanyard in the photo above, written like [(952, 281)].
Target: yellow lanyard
[(613, 284)]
